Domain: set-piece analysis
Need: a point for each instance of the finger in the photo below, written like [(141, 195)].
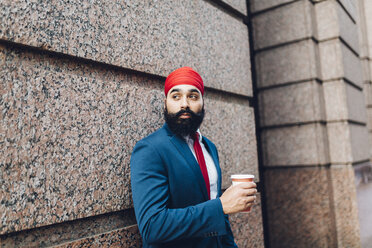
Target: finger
[(247, 185), (248, 192), (250, 199)]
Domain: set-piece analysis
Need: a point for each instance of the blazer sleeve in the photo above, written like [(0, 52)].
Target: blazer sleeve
[(158, 223), (228, 239)]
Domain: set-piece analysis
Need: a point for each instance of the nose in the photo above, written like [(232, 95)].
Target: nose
[(184, 103)]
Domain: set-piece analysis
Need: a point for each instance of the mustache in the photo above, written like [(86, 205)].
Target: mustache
[(185, 111)]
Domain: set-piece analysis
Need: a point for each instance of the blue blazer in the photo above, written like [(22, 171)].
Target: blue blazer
[(170, 198)]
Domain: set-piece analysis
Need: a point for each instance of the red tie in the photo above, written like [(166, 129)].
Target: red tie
[(200, 157)]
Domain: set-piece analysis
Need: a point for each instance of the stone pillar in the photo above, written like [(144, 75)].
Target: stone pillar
[(82, 82), (312, 120), (364, 171)]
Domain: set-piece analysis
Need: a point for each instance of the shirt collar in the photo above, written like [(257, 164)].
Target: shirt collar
[(190, 139)]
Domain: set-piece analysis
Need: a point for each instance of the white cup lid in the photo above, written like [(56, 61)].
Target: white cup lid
[(241, 176)]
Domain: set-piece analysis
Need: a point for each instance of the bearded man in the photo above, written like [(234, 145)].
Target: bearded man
[(176, 176)]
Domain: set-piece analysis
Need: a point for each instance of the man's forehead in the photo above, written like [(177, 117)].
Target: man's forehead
[(184, 88)]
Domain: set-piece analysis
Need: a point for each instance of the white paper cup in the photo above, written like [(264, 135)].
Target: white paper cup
[(242, 178)]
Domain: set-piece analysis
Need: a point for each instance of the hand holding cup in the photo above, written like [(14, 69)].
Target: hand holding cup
[(240, 196)]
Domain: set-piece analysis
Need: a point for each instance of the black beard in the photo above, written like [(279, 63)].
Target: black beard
[(184, 127)]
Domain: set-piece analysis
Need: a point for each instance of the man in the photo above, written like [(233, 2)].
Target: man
[(176, 177)]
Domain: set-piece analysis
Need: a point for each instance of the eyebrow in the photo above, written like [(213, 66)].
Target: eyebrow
[(178, 90), (174, 90), (194, 90)]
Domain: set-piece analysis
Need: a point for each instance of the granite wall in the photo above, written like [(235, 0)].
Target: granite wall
[(82, 82), (313, 120), (364, 172)]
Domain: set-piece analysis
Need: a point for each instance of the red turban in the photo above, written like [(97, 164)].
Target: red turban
[(184, 75)]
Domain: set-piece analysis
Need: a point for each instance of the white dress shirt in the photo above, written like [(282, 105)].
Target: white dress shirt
[(211, 167)]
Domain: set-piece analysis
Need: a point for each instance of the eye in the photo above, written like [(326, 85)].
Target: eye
[(194, 96), (175, 96)]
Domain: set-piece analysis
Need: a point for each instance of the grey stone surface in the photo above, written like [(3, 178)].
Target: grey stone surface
[(240, 5), (63, 121), (291, 104), (367, 89), (348, 143), (369, 118), (344, 102), (290, 22), (247, 228), (342, 181), (289, 63), (312, 201), (351, 7), (152, 36), (362, 29), (333, 21), (298, 208), (368, 13), (295, 145), (49, 236), (338, 61), (360, 143), (230, 125), (366, 70), (259, 5)]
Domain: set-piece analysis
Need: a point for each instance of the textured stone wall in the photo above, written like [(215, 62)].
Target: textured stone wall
[(82, 82), (313, 119), (364, 171)]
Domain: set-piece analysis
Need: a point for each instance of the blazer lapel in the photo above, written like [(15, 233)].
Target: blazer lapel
[(186, 153)]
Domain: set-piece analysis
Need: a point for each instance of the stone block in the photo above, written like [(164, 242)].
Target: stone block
[(123, 237), (352, 66), (290, 104), (259, 5), (298, 145), (239, 5), (339, 142), (346, 211), (49, 236), (348, 143), (64, 120), (369, 119), (289, 63), (338, 61), (152, 37), (344, 102), (237, 146), (333, 21), (362, 29), (367, 89), (360, 143), (351, 7), (247, 228), (367, 76), (368, 12), (320, 202), (281, 25), (298, 208)]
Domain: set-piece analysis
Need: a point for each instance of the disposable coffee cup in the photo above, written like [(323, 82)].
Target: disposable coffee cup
[(242, 178)]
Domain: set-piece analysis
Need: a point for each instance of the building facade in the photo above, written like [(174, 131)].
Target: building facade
[(288, 99)]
